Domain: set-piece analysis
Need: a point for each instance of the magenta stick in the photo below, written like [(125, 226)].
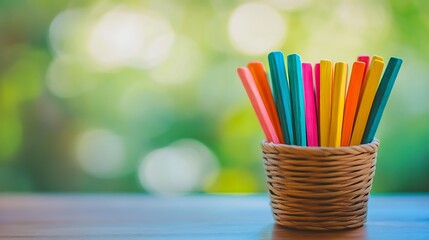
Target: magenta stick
[(310, 106), (365, 59)]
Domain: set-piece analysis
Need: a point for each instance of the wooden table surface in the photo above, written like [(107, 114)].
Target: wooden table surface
[(77, 216)]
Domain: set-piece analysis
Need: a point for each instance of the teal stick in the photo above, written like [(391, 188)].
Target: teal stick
[(281, 94), (381, 97), (294, 67)]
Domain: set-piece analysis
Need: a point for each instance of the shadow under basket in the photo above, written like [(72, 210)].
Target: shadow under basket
[(319, 188)]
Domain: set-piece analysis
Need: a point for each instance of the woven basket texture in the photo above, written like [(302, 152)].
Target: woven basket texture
[(319, 188)]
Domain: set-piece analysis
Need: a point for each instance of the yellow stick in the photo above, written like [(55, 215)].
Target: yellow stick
[(368, 94), (375, 57), (325, 101), (338, 96)]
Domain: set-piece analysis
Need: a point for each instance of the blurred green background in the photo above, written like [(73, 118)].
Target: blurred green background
[(142, 96)]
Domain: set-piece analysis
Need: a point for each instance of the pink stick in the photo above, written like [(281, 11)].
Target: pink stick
[(258, 105), (310, 106), (365, 59), (317, 86)]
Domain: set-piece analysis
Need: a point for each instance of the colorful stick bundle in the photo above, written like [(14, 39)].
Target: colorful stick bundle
[(298, 110)]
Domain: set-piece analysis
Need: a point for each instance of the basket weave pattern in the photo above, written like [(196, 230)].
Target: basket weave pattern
[(319, 188)]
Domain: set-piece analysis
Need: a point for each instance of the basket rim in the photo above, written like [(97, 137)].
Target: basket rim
[(374, 143)]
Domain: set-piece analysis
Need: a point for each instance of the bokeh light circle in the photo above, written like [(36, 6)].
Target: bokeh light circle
[(256, 28), (64, 28), (68, 77), (101, 153), (182, 167), (125, 37)]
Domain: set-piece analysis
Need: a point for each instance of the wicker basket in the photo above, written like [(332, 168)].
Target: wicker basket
[(319, 188)]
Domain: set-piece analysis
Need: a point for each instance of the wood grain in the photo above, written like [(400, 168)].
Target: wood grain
[(134, 216)]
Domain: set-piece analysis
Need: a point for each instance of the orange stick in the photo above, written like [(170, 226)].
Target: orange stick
[(258, 104), (352, 99), (260, 76)]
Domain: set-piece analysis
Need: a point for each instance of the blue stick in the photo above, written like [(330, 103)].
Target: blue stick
[(381, 97), (297, 93), (281, 94)]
